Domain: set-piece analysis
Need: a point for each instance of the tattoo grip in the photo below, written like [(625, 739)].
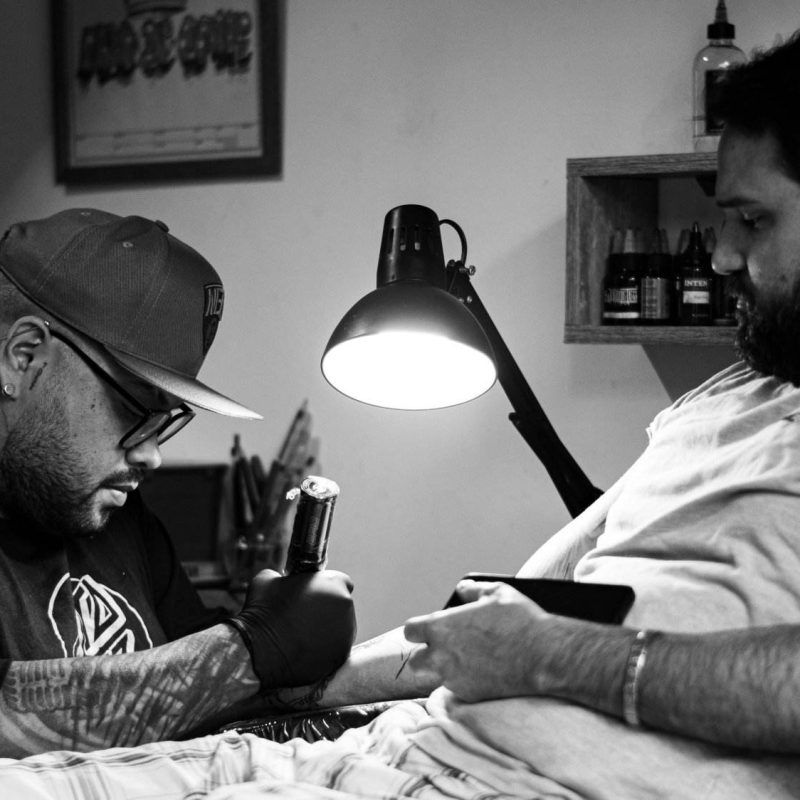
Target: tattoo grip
[(299, 627), (308, 547)]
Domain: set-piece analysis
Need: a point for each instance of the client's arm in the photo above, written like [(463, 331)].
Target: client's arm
[(376, 670), (736, 687)]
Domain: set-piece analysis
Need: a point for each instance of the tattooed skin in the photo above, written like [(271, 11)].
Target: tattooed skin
[(122, 700), (403, 661), (392, 641)]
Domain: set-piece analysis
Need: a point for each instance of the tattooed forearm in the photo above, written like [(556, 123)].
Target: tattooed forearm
[(392, 645), (387, 643), (104, 701)]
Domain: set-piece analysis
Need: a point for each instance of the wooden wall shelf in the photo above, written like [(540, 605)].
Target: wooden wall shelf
[(622, 192), (650, 334)]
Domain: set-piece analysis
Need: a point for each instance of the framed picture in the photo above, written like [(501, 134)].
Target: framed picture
[(158, 90)]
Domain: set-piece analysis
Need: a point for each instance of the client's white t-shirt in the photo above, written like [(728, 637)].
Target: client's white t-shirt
[(706, 528)]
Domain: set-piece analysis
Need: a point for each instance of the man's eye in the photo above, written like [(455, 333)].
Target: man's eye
[(752, 222)]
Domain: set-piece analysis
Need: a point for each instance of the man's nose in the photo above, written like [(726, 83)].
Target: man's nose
[(146, 454), (727, 256)]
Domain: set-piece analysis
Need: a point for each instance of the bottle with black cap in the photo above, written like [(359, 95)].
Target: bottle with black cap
[(696, 279), (710, 65), (621, 305)]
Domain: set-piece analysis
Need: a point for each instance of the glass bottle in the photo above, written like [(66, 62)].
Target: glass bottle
[(621, 288), (695, 268), (655, 289), (677, 276), (710, 64)]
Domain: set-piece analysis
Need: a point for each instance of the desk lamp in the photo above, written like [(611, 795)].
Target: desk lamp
[(423, 339)]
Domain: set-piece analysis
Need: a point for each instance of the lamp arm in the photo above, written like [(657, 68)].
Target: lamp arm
[(529, 418)]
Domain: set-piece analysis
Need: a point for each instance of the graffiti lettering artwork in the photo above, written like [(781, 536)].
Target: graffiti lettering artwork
[(156, 90), (114, 51)]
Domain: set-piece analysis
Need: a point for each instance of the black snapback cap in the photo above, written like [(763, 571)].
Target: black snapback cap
[(151, 301)]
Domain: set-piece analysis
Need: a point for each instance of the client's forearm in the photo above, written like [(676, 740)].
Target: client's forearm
[(103, 701), (734, 687), (578, 661), (375, 671)]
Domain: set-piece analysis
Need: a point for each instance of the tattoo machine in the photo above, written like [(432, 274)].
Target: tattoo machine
[(308, 547)]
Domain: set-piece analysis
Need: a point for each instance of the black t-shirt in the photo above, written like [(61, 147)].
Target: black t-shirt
[(116, 592)]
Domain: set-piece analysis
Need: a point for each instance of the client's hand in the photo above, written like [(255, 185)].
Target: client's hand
[(486, 648), (298, 628)]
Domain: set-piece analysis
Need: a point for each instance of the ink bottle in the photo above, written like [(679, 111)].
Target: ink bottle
[(621, 288), (677, 277), (710, 65), (695, 268), (656, 284)]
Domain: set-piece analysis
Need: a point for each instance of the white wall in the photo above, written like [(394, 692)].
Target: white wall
[(470, 107)]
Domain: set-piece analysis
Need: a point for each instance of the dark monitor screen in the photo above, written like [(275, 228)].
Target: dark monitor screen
[(188, 500)]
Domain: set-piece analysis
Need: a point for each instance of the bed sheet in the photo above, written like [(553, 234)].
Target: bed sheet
[(445, 751), (381, 760)]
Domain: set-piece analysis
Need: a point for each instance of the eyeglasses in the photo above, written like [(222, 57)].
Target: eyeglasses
[(163, 424)]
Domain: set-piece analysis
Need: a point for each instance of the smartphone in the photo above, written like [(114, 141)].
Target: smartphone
[(596, 602)]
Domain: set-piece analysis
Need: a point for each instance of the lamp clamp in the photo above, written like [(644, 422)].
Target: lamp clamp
[(458, 280)]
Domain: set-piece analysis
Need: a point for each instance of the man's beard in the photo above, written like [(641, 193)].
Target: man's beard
[(44, 487), (768, 337)]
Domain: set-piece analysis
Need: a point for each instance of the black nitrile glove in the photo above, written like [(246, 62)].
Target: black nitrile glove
[(298, 628)]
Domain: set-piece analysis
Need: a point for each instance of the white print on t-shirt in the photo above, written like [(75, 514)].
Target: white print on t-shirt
[(106, 622)]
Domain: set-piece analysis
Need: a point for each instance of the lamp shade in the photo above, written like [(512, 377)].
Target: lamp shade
[(409, 343)]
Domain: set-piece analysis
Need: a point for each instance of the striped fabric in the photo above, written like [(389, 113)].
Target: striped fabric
[(404, 753)]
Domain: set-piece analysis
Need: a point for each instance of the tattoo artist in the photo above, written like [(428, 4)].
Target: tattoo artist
[(104, 324)]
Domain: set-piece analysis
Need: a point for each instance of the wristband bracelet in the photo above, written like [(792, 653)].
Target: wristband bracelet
[(637, 656)]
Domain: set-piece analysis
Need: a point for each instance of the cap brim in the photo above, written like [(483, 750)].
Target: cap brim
[(190, 390)]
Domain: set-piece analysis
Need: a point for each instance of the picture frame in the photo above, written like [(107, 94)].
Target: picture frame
[(165, 90)]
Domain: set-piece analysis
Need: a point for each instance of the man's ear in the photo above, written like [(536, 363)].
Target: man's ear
[(25, 352)]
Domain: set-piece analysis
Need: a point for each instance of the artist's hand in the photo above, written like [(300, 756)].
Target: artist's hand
[(298, 628), (486, 648)]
